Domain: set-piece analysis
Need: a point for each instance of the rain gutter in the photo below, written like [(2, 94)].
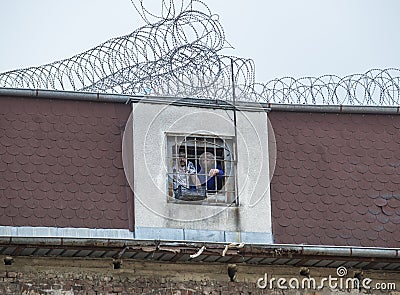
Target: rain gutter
[(184, 101), (281, 250)]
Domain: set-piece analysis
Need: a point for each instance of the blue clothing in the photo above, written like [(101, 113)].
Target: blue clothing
[(211, 183)]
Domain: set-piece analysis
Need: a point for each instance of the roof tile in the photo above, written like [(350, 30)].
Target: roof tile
[(395, 218), (96, 215), (294, 206), (282, 206), (89, 205), (394, 202), (93, 180), (82, 213), (16, 185), (111, 214), (383, 219), (100, 189), (68, 213)]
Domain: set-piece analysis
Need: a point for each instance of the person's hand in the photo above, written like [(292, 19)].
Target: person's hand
[(213, 172)]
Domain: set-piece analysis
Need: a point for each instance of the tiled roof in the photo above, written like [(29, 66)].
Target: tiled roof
[(337, 179), (60, 164)]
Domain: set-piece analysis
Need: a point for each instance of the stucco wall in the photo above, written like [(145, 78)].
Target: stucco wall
[(157, 218)]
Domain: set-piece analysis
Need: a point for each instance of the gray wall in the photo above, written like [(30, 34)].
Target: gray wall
[(156, 218)]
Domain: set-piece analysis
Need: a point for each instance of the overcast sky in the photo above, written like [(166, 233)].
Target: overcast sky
[(284, 37)]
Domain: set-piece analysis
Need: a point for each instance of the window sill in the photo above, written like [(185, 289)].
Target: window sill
[(211, 200)]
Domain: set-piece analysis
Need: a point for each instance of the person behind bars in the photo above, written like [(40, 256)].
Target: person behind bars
[(184, 173), (209, 172)]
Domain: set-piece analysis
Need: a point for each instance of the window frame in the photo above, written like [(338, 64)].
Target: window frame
[(224, 156)]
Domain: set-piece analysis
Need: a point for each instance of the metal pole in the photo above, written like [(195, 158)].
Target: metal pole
[(235, 153)]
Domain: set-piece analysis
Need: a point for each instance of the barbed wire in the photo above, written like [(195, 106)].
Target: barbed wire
[(178, 53)]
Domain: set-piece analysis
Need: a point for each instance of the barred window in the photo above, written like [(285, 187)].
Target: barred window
[(200, 169)]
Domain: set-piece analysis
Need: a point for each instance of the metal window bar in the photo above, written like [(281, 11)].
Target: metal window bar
[(196, 156), (205, 168), (186, 163), (215, 165), (175, 157)]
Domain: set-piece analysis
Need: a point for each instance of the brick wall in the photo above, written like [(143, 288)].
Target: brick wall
[(79, 283), (54, 276), (68, 284)]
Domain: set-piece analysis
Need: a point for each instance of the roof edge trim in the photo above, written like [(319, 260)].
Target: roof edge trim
[(63, 232), (127, 99), (388, 110), (248, 106), (278, 249), (67, 95)]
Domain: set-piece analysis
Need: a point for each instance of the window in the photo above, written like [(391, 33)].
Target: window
[(200, 169)]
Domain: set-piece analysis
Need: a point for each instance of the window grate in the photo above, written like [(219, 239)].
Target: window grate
[(200, 169)]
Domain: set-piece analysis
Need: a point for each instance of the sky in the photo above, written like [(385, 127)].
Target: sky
[(284, 38)]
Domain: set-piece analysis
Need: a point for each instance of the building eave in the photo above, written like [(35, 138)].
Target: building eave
[(180, 251), (186, 101)]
